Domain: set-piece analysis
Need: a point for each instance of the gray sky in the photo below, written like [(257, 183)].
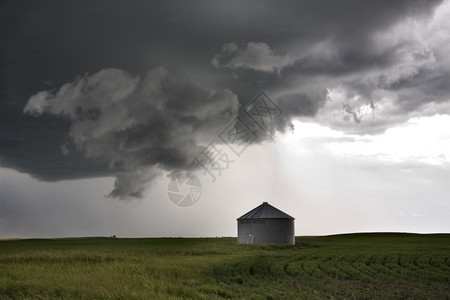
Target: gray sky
[(103, 103)]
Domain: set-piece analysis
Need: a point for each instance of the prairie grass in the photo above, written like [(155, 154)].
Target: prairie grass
[(353, 266)]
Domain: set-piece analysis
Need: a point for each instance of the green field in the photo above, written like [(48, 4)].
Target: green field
[(353, 266)]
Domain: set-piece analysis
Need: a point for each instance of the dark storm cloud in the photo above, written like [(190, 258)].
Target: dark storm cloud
[(137, 124), (253, 56), (98, 103)]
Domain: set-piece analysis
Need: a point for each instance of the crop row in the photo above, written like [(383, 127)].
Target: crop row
[(368, 268)]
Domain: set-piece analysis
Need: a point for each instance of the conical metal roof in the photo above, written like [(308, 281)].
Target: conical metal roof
[(265, 211)]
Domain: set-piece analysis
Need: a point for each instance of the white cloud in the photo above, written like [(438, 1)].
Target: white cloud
[(423, 140)]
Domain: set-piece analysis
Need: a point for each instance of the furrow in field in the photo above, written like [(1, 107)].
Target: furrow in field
[(385, 268), (296, 269), (312, 270)]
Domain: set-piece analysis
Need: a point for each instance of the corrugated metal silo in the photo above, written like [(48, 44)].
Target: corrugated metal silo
[(266, 224)]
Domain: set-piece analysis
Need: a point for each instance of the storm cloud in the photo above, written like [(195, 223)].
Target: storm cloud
[(136, 91), (136, 123), (253, 56)]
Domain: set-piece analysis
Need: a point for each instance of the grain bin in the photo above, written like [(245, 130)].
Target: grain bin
[(266, 224)]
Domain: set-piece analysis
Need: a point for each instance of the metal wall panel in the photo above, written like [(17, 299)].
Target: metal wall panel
[(266, 231)]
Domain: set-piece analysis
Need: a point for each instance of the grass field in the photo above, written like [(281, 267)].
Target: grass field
[(353, 266)]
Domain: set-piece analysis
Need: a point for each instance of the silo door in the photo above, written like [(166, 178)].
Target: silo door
[(251, 239)]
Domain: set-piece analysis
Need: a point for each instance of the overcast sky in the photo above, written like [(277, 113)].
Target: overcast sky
[(104, 104)]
